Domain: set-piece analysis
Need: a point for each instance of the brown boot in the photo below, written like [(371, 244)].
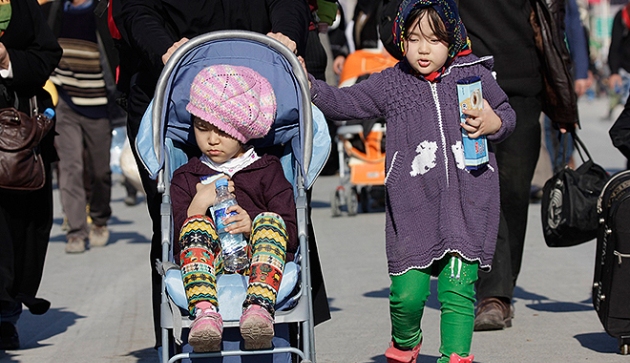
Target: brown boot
[(493, 314)]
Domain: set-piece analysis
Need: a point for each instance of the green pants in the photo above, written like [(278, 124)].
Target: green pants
[(456, 293)]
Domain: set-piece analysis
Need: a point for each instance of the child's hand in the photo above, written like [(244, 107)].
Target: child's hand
[(303, 63), (240, 223), (481, 122), (205, 196)]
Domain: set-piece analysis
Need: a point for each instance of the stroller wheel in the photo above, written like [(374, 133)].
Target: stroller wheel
[(352, 202), (335, 203)]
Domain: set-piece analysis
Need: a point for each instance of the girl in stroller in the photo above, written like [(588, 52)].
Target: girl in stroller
[(231, 105)]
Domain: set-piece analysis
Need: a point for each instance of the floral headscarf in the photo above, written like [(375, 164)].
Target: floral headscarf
[(447, 10)]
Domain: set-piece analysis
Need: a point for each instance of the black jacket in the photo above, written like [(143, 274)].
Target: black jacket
[(619, 51), (34, 54), (152, 26), (523, 66)]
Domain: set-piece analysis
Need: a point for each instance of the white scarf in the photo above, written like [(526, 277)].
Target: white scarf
[(233, 165)]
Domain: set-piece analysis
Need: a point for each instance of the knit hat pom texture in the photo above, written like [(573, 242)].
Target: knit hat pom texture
[(235, 99)]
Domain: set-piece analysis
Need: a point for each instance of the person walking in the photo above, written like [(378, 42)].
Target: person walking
[(84, 121), (619, 54), (442, 218), (28, 54), (154, 29), (502, 29)]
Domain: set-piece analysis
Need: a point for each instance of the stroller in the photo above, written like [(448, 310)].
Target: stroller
[(361, 143), (299, 137)]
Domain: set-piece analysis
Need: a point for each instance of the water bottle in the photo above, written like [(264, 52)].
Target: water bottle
[(49, 113), (232, 245)]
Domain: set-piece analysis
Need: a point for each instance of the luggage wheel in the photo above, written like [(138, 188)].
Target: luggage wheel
[(624, 345)]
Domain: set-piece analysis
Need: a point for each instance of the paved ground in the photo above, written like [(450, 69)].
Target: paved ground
[(101, 312)]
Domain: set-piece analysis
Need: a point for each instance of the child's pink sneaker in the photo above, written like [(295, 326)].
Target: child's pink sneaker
[(206, 331), (455, 358), (395, 355), (257, 327)]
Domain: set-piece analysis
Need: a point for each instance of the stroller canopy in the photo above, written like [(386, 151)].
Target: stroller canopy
[(168, 116)]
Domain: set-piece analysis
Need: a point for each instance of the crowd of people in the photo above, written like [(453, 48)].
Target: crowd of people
[(104, 59)]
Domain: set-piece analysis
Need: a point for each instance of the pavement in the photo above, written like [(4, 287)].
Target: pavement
[(101, 299)]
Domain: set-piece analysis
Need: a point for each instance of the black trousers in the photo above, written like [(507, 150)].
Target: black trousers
[(25, 222), (516, 157), (136, 106)]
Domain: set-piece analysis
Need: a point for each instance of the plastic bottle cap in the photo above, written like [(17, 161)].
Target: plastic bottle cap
[(49, 112), (221, 183)]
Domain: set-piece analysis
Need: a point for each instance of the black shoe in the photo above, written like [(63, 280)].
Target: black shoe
[(9, 339), (35, 305)]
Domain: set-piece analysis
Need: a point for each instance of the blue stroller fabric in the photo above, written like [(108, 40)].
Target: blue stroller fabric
[(270, 65)]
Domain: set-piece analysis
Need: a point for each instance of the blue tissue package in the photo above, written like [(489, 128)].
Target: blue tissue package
[(470, 97)]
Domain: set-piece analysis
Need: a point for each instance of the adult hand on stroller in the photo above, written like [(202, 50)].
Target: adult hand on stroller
[(284, 40), (204, 197), (169, 52), (481, 122), (240, 223)]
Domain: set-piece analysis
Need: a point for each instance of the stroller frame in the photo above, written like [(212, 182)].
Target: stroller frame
[(302, 312)]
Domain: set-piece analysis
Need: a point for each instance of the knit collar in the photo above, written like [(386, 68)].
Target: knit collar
[(447, 9), (234, 165)]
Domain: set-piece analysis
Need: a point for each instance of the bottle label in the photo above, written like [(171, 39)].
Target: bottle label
[(219, 217)]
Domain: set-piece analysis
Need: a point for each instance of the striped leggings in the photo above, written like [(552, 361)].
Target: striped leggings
[(201, 260)]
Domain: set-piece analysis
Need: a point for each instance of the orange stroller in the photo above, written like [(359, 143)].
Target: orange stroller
[(361, 144)]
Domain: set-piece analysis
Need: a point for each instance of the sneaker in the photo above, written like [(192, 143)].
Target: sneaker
[(9, 338), (75, 245), (131, 200), (457, 359), (396, 355), (99, 235), (206, 331), (64, 225), (493, 314), (257, 328)]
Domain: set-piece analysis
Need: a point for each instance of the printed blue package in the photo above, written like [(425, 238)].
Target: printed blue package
[(470, 97)]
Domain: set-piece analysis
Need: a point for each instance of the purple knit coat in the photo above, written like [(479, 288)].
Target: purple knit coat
[(260, 187), (434, 206)]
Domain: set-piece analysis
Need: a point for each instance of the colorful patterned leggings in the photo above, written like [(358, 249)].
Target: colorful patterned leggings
[(456, 293), (201, 260)]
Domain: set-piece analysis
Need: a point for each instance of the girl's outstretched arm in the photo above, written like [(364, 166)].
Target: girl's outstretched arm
[(360, 101)]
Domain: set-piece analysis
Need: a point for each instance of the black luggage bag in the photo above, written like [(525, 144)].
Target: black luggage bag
[(611, 283)]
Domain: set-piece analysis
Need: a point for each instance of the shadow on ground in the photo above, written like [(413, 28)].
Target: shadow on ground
[(35, 328), (146, 355), (598, 342), (543, 303)]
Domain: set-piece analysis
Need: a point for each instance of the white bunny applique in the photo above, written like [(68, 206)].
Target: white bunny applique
[(458, 153), (425, 160)]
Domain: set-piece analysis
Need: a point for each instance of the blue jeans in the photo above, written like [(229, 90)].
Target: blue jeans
[(555, 142)]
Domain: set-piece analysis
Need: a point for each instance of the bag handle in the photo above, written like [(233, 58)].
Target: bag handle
[(579, 146), (32, 102)]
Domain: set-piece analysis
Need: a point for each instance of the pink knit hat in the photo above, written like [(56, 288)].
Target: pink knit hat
[(237, 100)]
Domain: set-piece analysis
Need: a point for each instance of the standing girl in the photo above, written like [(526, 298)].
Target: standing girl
[(441, 219)]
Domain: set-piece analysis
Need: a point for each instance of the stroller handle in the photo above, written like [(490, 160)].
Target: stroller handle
[(300, 75)]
